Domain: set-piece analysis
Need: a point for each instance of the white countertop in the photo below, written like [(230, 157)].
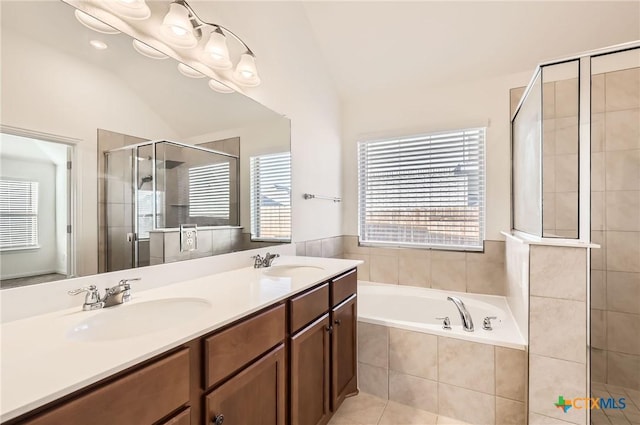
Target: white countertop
[(41, 364)]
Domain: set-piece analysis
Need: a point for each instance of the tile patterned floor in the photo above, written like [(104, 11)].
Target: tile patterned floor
[(365, 409), (627, 416)]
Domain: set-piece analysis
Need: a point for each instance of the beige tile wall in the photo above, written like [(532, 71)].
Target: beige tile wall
[(478, 272), (557, 331), (615, 269), (475, 383)]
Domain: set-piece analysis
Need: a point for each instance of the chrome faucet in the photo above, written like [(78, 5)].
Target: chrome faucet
[(467, 322), (265, 261), (119, 294)]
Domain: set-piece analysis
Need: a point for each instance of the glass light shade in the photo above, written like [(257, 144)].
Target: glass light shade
[(148, 51), (187, 71), (177, 28), (216, 52), (246, 73), (217, 86), (131, 9), (94, 24)]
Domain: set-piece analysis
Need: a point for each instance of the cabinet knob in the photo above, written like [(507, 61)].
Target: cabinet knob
[(218, 420), (337, 322), (329, 328)]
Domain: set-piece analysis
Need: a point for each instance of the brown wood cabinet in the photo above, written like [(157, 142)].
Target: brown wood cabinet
[(291, 363), (323, 367), (255, 396), (344, 351), (310, 373)]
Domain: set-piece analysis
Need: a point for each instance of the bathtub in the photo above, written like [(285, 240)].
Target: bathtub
[(416, 309)]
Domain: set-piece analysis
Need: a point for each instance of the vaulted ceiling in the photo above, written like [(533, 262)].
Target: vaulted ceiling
[(369, 46)]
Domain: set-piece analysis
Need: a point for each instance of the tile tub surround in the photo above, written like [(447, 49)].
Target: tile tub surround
[(468, 381), (478, 272)]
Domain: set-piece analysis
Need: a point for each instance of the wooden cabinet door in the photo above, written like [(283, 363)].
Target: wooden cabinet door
[(255, 396), (310, 362), (344, 351)]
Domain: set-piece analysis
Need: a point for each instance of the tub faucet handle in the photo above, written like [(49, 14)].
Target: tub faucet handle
[(446, 323), (486, 323)]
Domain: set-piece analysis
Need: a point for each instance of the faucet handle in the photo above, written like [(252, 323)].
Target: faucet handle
[(486, 323), (92, 299), (126, 281), (446, 322)]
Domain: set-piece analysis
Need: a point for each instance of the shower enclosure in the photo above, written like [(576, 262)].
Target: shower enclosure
[(162, 185), (576, 176)]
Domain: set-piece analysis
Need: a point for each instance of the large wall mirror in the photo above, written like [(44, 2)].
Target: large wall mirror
[(153, 150)]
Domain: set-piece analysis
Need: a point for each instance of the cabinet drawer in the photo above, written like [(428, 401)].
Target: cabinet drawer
[(343, 287), (182, 418), (140, 398), (231, 349), (305, 308)]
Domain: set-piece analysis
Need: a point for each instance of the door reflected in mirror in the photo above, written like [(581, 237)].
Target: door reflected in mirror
[(180, 153)]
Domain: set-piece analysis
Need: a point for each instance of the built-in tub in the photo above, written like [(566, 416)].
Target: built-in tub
[(405, 356), (416, 309)]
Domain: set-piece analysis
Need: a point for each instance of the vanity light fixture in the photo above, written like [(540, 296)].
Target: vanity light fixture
[(182, 27), (177, 28), (98, 45), (148, 51), (187, 71), (131, 9), (94, 24), (217, 86), (216, 52)]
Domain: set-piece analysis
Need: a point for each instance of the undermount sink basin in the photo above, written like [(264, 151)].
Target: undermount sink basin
[(128, 321), (291, 270)]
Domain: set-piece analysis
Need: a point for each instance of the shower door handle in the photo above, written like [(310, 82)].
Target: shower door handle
[(131, 237)]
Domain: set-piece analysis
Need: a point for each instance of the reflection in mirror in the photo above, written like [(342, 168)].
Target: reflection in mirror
[(100, 95)]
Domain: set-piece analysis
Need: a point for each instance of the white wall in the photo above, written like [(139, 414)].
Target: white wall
[(41, 260), (50, 92), (295, 83), (426, 109)]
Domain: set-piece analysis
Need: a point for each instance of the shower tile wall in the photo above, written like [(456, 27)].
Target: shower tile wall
[(615, 203), (560, 158), (119, 208)]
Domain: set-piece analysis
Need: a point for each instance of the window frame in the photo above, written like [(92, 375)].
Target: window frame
[(252, 196), (34, 215), (482, 193)]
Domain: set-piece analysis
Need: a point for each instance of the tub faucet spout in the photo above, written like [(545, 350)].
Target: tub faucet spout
[(467, 322)]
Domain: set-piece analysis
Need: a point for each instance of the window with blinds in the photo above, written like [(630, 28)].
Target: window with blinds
[(209, 191), (271, 196), (18, 214), (423, 191)]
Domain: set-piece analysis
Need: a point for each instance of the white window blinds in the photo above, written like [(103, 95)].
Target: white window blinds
[(209, 191), (18, 214), (423, 191), (271, 196)]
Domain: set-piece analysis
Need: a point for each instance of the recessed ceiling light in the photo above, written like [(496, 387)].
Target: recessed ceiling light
[(219, 87), (148, 51), (99, 45), (94, 24), (187, 71)]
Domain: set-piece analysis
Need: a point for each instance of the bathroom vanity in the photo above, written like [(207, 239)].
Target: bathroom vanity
[(289, 358)]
